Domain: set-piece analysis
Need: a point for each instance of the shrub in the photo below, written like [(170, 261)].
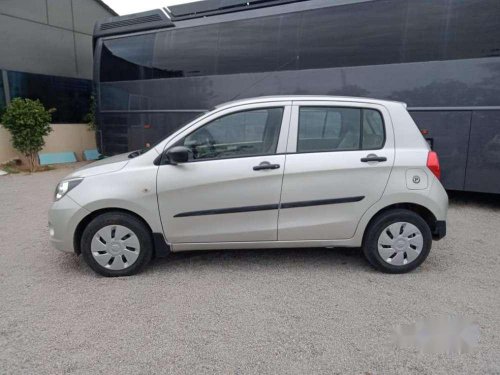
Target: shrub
[(90, 117), (28, 122)]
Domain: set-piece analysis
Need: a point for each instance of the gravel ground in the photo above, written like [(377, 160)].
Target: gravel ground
[(264, 311)]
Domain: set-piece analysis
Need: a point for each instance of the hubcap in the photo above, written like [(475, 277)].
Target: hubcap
[(115, 247), (400, 243)]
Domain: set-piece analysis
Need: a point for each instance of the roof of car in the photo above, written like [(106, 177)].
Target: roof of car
[(274, 98)]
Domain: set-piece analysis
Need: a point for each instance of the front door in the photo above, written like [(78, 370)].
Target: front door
[(339, 161), (229, 190)]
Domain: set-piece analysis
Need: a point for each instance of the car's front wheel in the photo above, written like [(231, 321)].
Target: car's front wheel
[(397, 241), (116, 244)]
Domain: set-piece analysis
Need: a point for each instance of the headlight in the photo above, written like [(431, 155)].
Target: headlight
[(64, 186)]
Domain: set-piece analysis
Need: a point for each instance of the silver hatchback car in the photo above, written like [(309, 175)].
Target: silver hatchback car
[(283, 171)]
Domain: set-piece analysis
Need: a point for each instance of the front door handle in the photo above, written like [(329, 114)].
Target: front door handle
[(265, 165), (373, 157)]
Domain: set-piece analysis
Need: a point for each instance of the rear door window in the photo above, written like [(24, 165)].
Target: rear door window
[(339, 129)]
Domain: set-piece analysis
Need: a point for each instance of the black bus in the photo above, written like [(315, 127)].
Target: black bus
[(156, 70)]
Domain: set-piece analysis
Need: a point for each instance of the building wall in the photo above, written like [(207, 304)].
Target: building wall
[(52, 37), (64, 137)]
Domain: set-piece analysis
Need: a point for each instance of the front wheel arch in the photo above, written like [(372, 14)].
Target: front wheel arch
[(87, 219)]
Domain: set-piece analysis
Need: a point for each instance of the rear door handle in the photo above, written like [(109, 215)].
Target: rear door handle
[(373, 157), (265, 165)]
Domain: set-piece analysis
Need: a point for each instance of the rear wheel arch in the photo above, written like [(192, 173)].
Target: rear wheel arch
[(422, 211)]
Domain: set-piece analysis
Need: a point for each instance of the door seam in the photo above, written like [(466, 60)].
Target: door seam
[(284, 171)]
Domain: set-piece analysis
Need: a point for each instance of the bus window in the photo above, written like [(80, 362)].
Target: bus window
[(186, 52), (127, 59)]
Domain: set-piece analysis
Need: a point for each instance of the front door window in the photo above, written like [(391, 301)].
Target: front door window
[(242, 134)]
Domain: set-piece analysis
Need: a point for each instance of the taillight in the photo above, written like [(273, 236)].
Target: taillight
[(433, 164)]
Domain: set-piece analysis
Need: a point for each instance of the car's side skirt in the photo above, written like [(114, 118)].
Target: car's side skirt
[(352, 242)]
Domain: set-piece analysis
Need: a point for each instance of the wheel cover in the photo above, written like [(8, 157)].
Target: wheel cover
[(115, 247), (400, 243)]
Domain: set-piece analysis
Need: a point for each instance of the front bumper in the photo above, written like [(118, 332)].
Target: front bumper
[(439, 230), (64, 216)]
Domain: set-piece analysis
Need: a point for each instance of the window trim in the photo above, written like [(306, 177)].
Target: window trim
[(282, 136), (296, 126)]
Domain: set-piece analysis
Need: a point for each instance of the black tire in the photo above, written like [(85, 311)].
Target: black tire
[(381, 222), (118, 218)]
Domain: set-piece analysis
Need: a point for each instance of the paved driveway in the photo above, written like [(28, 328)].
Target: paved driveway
[(263, 311)]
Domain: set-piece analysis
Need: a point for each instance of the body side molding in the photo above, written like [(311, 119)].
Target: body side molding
[(322, 202), (231, 210), (266, 207)]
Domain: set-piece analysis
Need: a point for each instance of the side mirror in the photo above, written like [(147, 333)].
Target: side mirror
[(178, 154)]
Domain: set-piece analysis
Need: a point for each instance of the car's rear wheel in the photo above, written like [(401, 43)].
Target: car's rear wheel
[(116, 244), (397, 241)]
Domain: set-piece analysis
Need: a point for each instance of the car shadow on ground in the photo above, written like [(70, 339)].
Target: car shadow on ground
[(249, 259), (262, 258)]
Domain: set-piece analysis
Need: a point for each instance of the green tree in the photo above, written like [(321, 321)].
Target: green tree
[(28, 122)]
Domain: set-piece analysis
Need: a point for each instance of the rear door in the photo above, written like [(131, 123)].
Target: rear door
[(339, 158)]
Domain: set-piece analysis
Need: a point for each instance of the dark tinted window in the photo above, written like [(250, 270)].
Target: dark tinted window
[(367, 33), (457, 29), (473, 29), (186, 52), (248, 133), (69, 96), (385, 32), (361, 34), (2, 95), (337, 129), (288, 41), (125, 59), (425, 30), (248, 46)]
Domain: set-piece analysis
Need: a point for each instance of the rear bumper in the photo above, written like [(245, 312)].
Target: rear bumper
[(439, 230)]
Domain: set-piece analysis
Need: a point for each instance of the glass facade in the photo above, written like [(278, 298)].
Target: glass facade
[(69, 96)]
